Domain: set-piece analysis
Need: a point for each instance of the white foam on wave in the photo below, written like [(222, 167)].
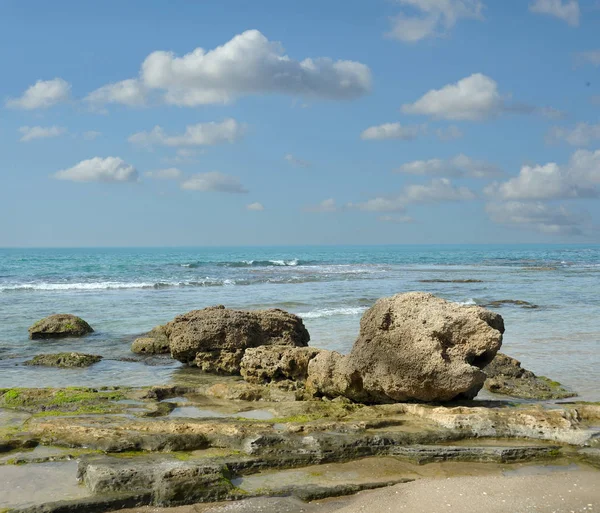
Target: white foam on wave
[(291, 263), (468, 302), (79, 286), (330, 312)]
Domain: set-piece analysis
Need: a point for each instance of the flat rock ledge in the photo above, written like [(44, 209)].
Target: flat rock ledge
[(59, 326)]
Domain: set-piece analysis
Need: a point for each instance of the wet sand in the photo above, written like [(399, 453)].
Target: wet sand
[(575, 491)]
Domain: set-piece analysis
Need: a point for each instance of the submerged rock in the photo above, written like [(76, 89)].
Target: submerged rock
[(59, 326), (514, 302), (216, 338), (506, 376), (154, 342), (64, 360), (412, 346)]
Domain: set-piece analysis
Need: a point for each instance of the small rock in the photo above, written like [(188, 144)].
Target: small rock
[(154, 342), (276, 363), (64, 360), (59, 326)]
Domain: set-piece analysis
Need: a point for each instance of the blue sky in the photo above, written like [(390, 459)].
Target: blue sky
[(352, 121)]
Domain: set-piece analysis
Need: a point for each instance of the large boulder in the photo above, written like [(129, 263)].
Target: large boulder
[(59, 326), (216, 338), (506, 376), (412, 346)]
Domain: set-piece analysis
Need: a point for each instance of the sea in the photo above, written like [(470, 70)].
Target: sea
[(124, 292)]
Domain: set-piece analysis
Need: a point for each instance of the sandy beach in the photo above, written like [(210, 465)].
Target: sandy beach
[(562, 492)]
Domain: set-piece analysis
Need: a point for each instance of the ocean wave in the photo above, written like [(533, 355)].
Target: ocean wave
[(331, 312), (250, 263), (468, 302)]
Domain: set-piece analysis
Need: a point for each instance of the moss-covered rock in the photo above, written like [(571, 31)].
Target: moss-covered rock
[(154, 342), (59, 326), (64, 360)]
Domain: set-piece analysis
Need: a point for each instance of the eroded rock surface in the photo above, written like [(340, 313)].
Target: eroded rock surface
[(59, 326), (216, 338), (506, 376), (277, 363), (412, 346)]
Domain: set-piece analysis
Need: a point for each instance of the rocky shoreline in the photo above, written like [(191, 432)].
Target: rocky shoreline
[(403, 399)]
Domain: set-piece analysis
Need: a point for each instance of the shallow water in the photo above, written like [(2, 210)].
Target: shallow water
[(124, 292)]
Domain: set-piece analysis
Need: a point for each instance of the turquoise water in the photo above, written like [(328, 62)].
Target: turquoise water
[(124, 292)]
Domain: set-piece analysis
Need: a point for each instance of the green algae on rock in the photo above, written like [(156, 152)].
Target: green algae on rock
[(64, 360), (59, 326)]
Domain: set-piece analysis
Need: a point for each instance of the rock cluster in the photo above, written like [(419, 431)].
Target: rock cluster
[(412, 346), (59, 326)]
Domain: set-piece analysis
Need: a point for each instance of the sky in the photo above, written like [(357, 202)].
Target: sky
[(227, 122)]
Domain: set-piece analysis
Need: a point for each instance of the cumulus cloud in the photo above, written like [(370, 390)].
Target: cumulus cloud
[(431, 18), (458, 166), (213, 182), (29, 133), (295, 161), (536, 216), (201, 134), (470, 99), (255, 207), (566, 10), (392, 131), (450, 133), (41, 95), (578, 179), (437, 191), (98, 169), (171, 173), (583, 134), (327, 205), (248, 64), (129, 92)]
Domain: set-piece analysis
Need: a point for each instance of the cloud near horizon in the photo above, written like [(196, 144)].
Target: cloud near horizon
[(248, 64)]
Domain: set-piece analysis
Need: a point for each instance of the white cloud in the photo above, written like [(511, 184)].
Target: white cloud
[(566, 10), (91, 135), (202, 134), (38, 132), (127, 92), (213, 182), (98, 169), (583, 134), (248, 64), (578, 179), (472, 98), (459, 166), (327, 205), (440, 189), (380, 204), (450, 133), (437, 191), (294, 161), (535, 216), (41, 95), (551, 113), (392, 131), (255, 207), (433, 18), (171, 173), (396, 219)]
